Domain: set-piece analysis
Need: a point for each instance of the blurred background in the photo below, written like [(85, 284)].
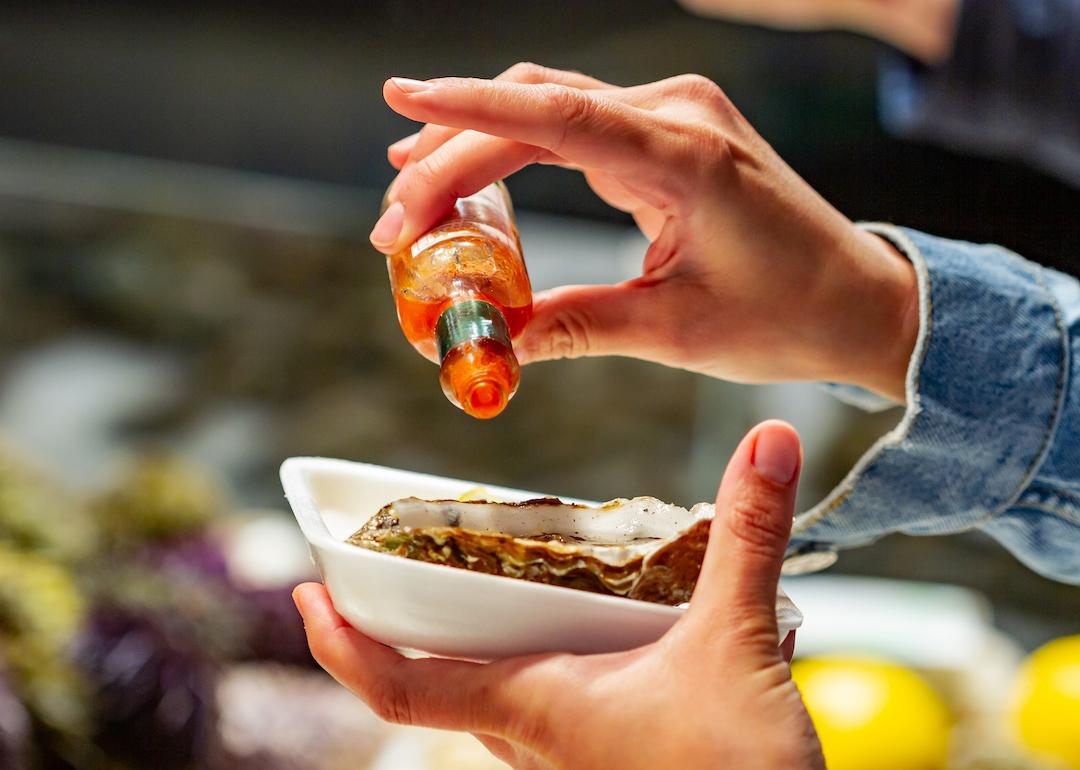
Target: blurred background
[(187, 297)]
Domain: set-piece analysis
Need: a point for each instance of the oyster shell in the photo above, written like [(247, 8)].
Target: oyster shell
[(641, 548)]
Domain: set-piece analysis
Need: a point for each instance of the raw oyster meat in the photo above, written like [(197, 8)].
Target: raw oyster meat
[(641, 548)]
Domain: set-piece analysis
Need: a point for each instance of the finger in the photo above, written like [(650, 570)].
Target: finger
[(642, 318), (427, 190), (501, 749), (398, 153), (445, 694), (432, 136), (749, 534), (650, 221), (580, 126), (602, 320), (613, 192)]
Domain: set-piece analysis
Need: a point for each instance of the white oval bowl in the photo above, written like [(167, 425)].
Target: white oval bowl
[(432, 609)]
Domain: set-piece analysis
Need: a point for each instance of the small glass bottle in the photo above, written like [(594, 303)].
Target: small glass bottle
[(463, 295)]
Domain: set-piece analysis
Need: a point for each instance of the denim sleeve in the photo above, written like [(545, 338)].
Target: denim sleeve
[(1011, 86), (990, 438)]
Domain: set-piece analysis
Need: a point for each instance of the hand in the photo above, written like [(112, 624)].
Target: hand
[(713, 692), (921, 28), (750, 275)]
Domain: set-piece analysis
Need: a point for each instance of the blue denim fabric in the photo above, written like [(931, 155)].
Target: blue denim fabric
[(990, 439)]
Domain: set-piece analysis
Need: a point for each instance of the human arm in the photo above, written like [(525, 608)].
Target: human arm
[(921, 28), (989, 76), (991, 429), (626, 709), (1009, 86), (751, 276)]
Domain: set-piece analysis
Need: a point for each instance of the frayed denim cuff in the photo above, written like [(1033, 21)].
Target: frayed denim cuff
[(985, 391)]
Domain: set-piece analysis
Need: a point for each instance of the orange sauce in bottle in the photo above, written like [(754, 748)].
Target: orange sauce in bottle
[(463, 295)]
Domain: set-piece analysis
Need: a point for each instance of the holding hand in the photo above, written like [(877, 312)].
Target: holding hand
[(715, 691), (750, 276)]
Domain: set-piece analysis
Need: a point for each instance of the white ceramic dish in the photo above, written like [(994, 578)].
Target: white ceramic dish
[(438, 610)]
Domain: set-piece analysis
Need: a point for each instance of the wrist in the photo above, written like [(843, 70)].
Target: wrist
[(872, 319)]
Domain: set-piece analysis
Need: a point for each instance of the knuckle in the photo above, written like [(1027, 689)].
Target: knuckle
[(420, 175), (471, 88), (759, 521), (475, 84), (527, 72), (751, 632), (572, 106), (531, 729), (697, 150), (431, 178), (391, 702), (701, 89), (568, 337)]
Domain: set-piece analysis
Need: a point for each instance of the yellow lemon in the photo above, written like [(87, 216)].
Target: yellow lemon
[(1048, 701), (873, 714)]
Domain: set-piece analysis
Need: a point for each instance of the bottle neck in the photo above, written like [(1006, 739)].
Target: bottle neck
[(468, 320)]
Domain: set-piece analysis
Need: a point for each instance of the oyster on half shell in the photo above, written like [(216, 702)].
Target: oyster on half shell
[(641, 548)]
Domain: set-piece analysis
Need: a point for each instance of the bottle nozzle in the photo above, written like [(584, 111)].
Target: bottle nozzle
[(485, 398), (479, 371)]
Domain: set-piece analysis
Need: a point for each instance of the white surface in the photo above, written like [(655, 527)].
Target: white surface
[(264, 550), (925, 625), (64, 403), (412, 605), (418, 748), (566, 250)]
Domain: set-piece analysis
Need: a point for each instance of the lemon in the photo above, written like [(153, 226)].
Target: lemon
[(1048, 701), (873, 714), (475, 493)]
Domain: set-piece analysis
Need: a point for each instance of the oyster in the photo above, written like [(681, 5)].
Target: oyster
[(641, 548)]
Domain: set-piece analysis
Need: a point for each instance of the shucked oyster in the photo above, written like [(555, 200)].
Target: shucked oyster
[(641, 548)]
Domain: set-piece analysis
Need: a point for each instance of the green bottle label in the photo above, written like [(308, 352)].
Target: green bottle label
[(470, 319)]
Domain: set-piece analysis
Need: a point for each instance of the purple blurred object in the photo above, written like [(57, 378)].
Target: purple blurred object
[(275, 631), (267, 620), (198, 554), (198, 601), (152, 696)]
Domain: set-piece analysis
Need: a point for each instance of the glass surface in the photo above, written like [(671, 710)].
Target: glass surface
[(475, 253)]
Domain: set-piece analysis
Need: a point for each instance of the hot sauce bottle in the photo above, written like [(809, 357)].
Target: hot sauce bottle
[(463, 295)]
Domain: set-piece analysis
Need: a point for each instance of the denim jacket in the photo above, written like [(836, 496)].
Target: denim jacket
[(990, 438)]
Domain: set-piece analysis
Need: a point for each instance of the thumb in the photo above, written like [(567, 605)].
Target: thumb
[(600, 320), (750, 531)]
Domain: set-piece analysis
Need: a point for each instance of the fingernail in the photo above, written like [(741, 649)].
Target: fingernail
[(410, 86), (388, 228), (776, 454)]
